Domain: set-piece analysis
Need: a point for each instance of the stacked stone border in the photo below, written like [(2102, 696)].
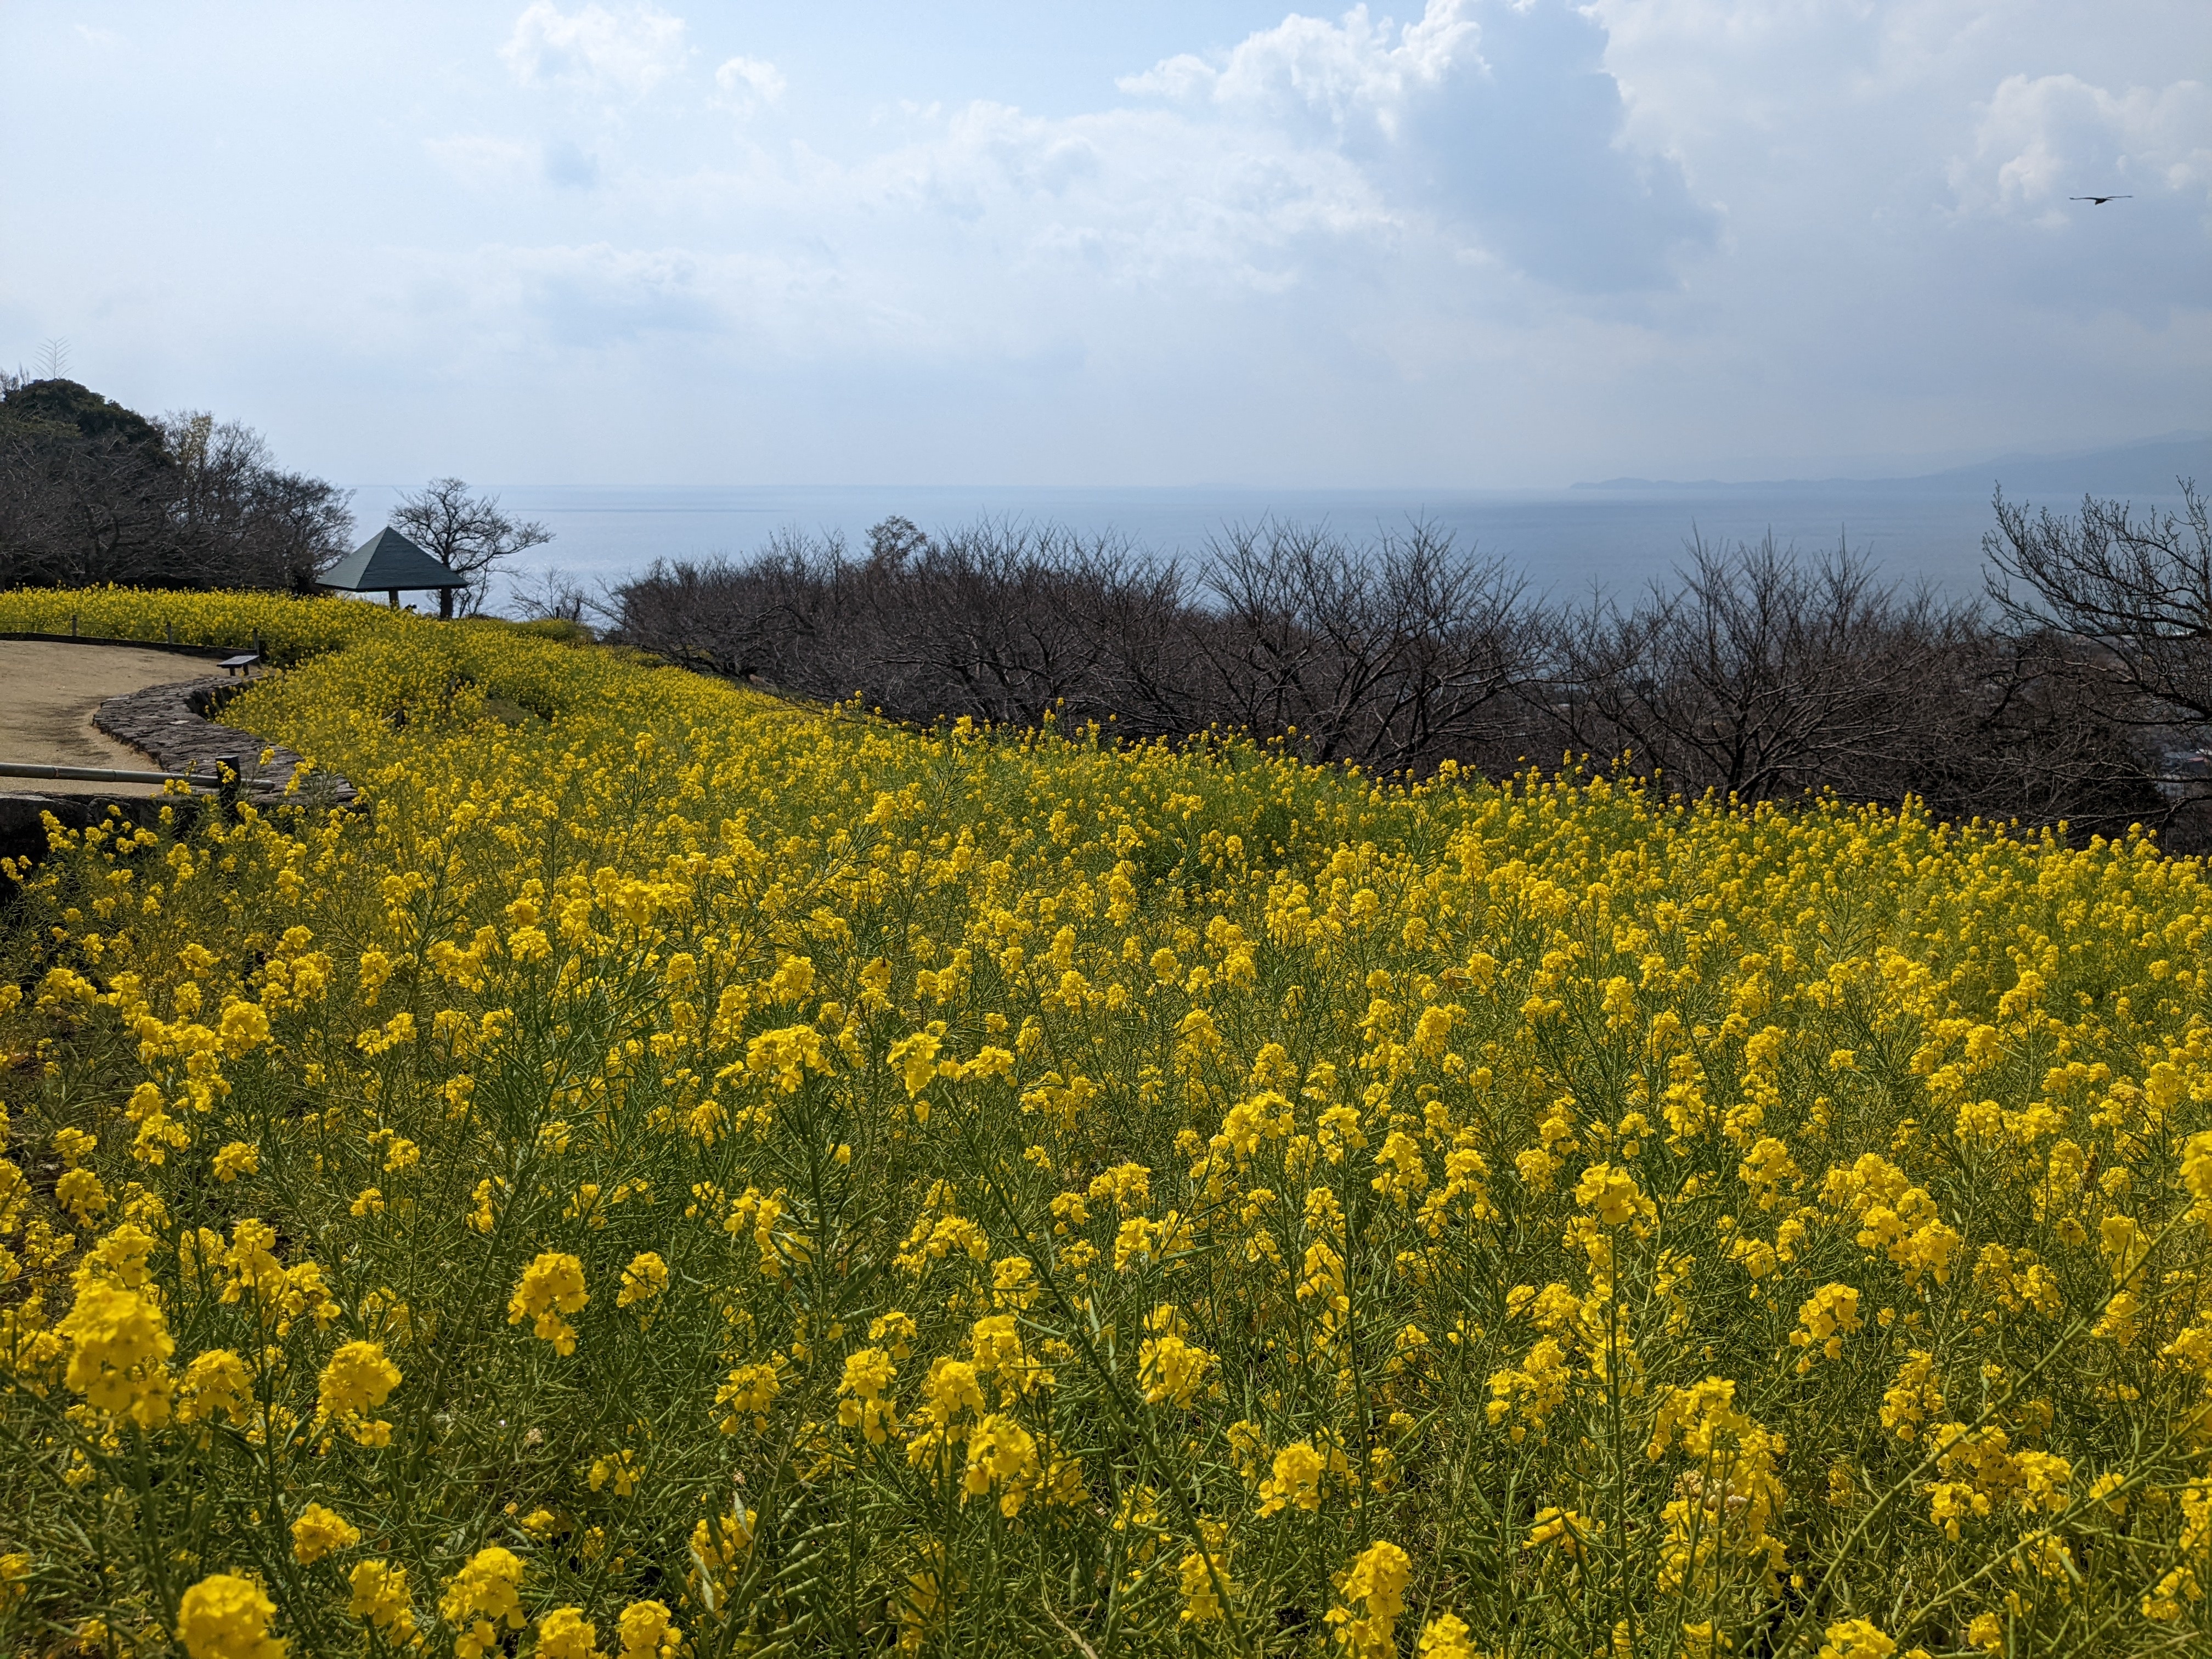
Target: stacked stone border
[(171, 724), (174, 725)]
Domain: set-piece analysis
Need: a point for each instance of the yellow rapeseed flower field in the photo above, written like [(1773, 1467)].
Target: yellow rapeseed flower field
[(679, 1173)]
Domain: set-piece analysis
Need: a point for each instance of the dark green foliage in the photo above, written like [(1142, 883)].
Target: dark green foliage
[(93, 493)]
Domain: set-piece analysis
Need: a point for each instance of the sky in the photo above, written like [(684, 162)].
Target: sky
[(1484, 244)]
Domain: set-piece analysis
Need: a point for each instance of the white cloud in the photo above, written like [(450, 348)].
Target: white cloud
[(745, 85), (1484, 137), (1468, 159), (1493, 241), (1496, 121), (1132, 197), (1342, 77), (2041, 140), (504, 301), (484, 162), (626, 53), (597, 295), (567, 165), (481, 160)]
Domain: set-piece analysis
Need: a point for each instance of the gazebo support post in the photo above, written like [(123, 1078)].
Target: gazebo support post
[(393, 595)]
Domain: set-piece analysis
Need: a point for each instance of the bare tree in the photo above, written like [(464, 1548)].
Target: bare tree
[(895, 540), (1396, 656), (553, 595), (1764, 677), (1005, 623), (238, 520), (466, 531), (997, 621), (1399, 655), (1754, 675), (754, 621), (2011, 737), (91, 492), (1751, 673), (306, 527), (2132, 593)]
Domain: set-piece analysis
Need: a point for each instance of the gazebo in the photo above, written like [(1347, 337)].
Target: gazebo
[(389, 561)]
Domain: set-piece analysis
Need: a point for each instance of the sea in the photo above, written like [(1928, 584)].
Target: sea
[(1615, 537)]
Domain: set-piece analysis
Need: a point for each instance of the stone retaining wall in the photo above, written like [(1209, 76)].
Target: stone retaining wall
[(169, 723)]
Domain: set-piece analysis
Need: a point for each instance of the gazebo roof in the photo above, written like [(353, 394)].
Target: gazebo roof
[(386, 561)]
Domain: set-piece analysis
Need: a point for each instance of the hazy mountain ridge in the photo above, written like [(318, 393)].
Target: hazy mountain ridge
[(2147, 468)]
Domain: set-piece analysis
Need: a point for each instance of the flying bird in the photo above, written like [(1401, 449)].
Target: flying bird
[(2099, 201)]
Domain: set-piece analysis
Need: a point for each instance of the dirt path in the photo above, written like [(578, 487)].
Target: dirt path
[(48, 692)]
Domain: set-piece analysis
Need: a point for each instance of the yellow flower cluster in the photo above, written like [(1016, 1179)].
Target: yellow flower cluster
[(1373, 1589), (675, 1171), (483, 1595), (551, 1286), (225, 1616), (357, 1380)]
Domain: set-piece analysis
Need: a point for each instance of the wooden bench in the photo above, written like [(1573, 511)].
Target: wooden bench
[(242, 663)]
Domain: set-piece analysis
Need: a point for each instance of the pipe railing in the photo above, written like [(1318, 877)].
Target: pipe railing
[(110, 775)]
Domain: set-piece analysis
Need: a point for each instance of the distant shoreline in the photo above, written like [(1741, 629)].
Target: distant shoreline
[(1564, 541), (2148, 468)]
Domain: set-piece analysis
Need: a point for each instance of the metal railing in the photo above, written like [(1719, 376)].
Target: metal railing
[(111, 775)]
